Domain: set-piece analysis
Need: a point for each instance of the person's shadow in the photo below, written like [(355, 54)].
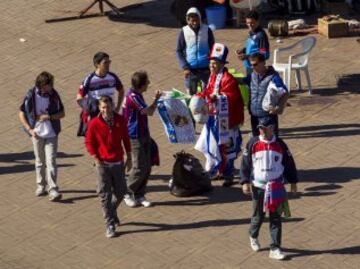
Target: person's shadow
[(294, 253), (160, 227), (70, 200), (19, 161)]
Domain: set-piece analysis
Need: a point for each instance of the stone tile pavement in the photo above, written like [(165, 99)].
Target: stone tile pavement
[(322, 131)]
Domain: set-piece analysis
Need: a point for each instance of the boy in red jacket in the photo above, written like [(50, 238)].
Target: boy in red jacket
[(222, 91), (106, 139)]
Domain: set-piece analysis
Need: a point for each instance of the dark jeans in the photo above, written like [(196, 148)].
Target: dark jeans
[(255, 123), (258, 218), (141, 166), (111, 189), (197, 75)]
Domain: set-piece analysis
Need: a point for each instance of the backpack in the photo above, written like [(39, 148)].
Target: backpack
[(188, 176)]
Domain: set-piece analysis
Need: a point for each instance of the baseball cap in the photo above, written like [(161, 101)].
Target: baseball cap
[(266, 122)]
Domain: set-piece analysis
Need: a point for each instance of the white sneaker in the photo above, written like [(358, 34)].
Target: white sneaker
[(254, 243), (40, 191), (130, 201), (54, 195), (276, 254), (110, 231), (144, 202)]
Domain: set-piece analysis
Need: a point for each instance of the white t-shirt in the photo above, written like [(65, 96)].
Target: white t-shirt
[(43, 129)]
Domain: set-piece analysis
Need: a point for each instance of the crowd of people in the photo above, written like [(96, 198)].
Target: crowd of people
[(117, 135)]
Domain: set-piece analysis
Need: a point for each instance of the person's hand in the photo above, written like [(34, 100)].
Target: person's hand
[(128, 164), (293, 188), (43, 117), (274, 109), (33, 133), (97, 161), (213, 97), (241, 55), (246, 188), (157, 95), (187, 73)]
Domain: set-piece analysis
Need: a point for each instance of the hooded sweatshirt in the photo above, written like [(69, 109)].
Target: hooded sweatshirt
[(193, 45)]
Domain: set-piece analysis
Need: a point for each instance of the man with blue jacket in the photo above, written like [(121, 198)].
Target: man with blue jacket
[(194, 43), (260, 81), (257, 41)]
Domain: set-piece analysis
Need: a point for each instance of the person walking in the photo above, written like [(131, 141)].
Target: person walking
[(106, 141), (266, 164), (40, 115)]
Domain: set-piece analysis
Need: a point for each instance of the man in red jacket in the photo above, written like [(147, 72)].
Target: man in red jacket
[(105, 141), (226, 111)]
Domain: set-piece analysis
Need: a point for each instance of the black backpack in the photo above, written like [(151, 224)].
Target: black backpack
[(188, 176)]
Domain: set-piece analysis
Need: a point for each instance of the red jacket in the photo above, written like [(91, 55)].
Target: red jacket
[(230, 88), (107, 143)]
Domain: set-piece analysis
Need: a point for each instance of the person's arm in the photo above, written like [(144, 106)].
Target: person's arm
[(180, 51), (26, 124), (246, 167), (290, 170), (263, 44), (149, 110), (80, 96), (211, 39), (127, 146), (120, 97), (91, 144)]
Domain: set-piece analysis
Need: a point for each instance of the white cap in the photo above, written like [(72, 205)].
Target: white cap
[(193, 10)]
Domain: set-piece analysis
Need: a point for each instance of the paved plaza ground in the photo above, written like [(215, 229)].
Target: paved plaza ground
[(322, 130)]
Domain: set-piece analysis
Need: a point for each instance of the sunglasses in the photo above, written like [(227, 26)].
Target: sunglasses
[(253, 64)]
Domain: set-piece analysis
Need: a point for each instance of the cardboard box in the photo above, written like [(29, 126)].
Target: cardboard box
[(333, 28)]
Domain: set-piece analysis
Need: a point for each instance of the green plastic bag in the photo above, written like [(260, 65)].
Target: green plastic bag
[(244, 89)]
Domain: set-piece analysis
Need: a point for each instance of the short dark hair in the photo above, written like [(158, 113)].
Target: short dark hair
[(105, 99), (139, 79), (259, 57), (44, 78), (99, 56), (252, 14)]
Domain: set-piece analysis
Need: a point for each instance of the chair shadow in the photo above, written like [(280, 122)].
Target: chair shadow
[(161, 227), (71, 200)]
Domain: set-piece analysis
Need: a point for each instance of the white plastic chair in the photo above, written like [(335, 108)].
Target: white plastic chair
[(298, 59)]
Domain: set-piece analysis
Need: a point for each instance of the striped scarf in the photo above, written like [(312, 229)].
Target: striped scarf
[(275, 198)]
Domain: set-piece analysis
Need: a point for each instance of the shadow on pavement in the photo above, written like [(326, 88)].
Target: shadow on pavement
[(71, 200), (328, 130), (24, 168), (219, 195), (154, 13), (21, 161), (330, 175), (355, 250), (160, 227), (18, 157)]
